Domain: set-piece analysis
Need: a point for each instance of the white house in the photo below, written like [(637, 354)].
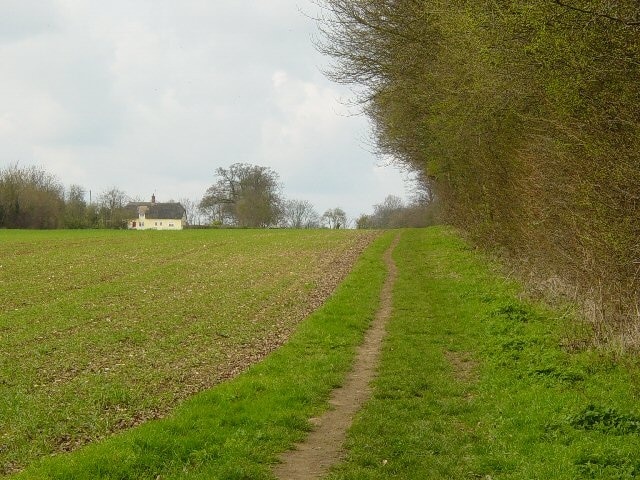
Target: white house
[(156, 216)]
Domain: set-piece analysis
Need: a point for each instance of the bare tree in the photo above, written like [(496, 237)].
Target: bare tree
[(394, 213), (389, 212), (299, 214), (111, 205), (334, 218), (192, 210), (75, 209)]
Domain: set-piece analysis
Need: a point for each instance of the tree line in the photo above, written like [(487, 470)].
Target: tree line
[(246, 196), (522, 118), (30, 197), (393, 212), (250, 196)]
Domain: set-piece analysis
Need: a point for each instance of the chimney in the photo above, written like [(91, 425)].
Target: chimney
[(153, 198)]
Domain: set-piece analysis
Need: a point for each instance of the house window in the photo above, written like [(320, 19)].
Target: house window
[(171, 225), (156, 224), (160, 223), (142, 224)]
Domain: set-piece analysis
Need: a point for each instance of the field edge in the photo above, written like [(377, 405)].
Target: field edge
[(238, 428)]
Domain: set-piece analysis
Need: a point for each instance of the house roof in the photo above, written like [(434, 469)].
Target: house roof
[(171, 211)]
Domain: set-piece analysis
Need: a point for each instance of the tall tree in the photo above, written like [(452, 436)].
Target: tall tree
[(191, 210), (389, 213), (334, 218), (111, 208), (75, 207), (393, 213), (299, 214), (244, 195)]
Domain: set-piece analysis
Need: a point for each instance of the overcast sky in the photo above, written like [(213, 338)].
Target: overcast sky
[(154, 95)]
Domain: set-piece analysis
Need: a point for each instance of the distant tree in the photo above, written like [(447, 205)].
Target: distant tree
[(75, 208), (244, 195), (334, 218), (299, 214), (365, 221), (192, 211), (93, 215), (30, 198), (111, 204), (214, 213), (388, 214), (393, 213)]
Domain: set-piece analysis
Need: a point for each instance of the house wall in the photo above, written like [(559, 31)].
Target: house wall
[(156, 224)]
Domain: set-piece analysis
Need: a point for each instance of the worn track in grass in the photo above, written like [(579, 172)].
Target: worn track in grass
[(323, 447)]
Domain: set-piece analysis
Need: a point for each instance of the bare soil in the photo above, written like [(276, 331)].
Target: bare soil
[(323, 447)]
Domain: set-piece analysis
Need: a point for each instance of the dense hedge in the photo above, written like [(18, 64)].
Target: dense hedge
[(525, 118)]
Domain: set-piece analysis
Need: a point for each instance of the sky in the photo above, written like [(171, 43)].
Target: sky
[(152, 96)]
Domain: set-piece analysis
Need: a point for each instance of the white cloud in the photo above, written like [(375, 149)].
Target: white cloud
[(154, 96), (304, 117), (312, 140)]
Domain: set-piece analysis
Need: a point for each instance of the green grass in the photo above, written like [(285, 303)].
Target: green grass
[(475, 382), (237, 429), (100, 331)]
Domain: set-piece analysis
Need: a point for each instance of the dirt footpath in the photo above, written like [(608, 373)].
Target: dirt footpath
[(323, 447)]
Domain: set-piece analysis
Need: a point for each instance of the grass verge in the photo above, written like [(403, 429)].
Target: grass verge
[(475, 382), (237, 429)]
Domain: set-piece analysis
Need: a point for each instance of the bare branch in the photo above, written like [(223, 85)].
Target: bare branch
[(630, 23)]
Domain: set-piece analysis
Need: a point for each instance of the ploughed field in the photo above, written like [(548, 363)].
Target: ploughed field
[(102, 330)]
